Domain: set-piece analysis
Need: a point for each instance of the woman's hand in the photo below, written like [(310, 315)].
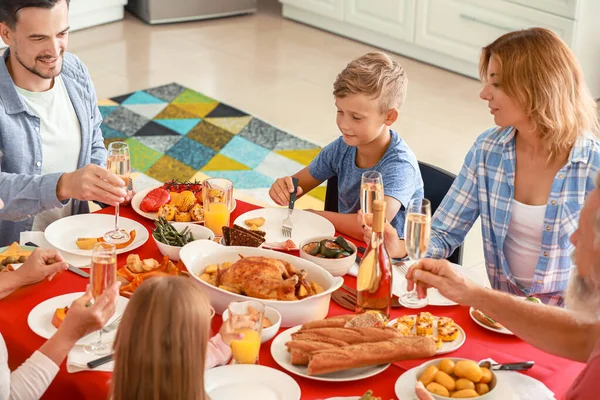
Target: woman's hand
[(394, 245), (40, 264), (83, 319)]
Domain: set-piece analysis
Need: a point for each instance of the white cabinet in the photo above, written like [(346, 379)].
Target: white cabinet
[(393, 18), (564, 8), (451, 33), (460, 28), (327, 8), (87, 13)]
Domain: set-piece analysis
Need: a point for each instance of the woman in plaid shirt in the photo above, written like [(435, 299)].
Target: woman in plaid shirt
[(528, 177)]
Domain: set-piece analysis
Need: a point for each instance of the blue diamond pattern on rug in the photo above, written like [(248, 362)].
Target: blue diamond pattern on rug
[(174, 132)]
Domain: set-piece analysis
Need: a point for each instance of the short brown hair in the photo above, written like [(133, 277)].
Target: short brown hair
[(160, 348), (374, 74), (541, 73)]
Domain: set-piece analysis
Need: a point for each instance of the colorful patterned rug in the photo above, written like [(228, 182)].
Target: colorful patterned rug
[(177, 133)]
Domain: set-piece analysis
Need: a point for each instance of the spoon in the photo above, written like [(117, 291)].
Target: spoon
[(522, 366)]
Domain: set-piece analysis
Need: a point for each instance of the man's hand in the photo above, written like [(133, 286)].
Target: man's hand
[(440, 275), (281, 190), (92, 183), (394, 245), (41, 264), (82, 320)]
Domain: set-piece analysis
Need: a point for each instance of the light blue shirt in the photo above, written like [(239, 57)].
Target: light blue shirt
[(398, 167), (485, 188), (23, 189)]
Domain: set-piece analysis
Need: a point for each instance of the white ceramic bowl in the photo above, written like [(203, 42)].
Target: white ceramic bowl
[(335, 266), (493, 384), (199, 254), (267, 333), (198, 232)]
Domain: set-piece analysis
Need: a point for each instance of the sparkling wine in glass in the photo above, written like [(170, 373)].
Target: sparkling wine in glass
[(416, 235), (103, 273), (371, 188), (119, 164)]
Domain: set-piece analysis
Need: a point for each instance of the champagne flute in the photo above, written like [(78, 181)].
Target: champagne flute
[(119, 164), (416, 235), (103, 274), (371, 188)]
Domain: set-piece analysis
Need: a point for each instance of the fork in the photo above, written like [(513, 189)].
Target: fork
[(288, 225), (402, 267), (113, 325)]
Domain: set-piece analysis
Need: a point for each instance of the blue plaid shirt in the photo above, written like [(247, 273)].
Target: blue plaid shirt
[(485, 187)]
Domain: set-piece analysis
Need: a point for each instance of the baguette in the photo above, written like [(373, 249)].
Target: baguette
[(353, 335), (299, 357), (309, 345), (333, 322), (304, 336), (367, 354)]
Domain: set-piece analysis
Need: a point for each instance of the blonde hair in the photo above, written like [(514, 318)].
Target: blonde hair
[(160, 348), (541, 73), (374, 74)]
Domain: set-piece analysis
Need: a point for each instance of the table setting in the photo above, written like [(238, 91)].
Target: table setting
[(306, 337)]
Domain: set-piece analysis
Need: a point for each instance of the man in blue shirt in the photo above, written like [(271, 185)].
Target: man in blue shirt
[(53, 150)]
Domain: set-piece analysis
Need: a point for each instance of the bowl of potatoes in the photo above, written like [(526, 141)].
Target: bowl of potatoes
[(456, 378)]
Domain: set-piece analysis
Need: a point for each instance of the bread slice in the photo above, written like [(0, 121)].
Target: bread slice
[(241, 238), (257, 233)]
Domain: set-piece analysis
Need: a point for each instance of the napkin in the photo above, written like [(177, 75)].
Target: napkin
[(77, 361), (521, 386), (39, 239)]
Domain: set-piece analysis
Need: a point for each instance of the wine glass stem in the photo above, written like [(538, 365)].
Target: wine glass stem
[(100, 337), (117, 218)]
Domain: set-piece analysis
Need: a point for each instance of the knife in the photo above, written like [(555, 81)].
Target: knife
[(100, 361), (70, 267)]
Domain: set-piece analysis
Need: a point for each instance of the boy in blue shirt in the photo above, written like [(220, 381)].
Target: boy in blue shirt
[(368, 94)]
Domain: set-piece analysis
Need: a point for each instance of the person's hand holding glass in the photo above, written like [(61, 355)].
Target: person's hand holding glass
[(417, 230), (103, 274), (246, 319), (118, 163)]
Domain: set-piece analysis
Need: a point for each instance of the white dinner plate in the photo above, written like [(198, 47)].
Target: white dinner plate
[(40, 318), (447, 347), (283, 358), (434, 297), (249, 382), (63, 233), (503, 331), (306, 224), (137, 200)]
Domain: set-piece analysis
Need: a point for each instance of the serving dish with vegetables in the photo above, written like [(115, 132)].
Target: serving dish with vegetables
[(335, 254)]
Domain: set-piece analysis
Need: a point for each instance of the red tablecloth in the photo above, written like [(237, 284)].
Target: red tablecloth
[(555, 372)]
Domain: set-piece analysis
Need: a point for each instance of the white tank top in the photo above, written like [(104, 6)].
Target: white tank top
[(523, 243)]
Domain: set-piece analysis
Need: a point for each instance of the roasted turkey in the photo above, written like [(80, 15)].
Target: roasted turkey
[(262, 278)]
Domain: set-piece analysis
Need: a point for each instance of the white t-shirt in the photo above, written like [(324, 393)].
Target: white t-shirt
[(523, 243), (61, 139), (30, 380)]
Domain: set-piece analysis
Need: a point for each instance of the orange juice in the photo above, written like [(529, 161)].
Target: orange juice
[(245, 351), (216, 216)]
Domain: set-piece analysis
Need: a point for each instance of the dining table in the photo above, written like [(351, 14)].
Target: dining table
[(555, 372)]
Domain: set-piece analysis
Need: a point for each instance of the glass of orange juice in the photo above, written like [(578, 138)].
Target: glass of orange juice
[(217, 199), (246, 317)]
